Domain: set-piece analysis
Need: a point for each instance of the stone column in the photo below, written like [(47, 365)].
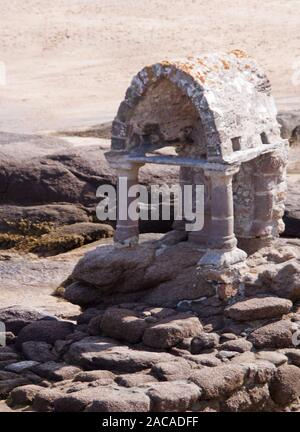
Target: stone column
[(222, 243), (222, 218), (202, 237), (185, 178), (127, 228), (266, 177), (263, 206)]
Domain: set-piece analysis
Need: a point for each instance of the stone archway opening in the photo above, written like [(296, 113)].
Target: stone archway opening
[(165, 122)]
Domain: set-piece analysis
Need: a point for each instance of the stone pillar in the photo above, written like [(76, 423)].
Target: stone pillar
[(127, 228), (222, 243), (222, 218), (263, 206), (202, 237), (266, 179), (185, 178)]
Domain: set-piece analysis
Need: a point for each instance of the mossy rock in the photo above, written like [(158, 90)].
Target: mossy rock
[(55, 240)]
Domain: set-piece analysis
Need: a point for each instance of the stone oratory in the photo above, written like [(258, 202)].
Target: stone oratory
[(216, 117)]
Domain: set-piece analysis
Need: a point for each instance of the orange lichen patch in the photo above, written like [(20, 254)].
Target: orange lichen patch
[(202, 79), (201, 62), (193, 64), (244, 70), (239, 53), (205, 69), (225, 64), (166, 63), (185, 67), (215, 68), (191, 69)]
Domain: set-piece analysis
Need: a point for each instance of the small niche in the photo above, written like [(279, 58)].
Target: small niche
[(236, 143), (264, 138)]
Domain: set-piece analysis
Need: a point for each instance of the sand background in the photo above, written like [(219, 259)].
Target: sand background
[(69, 62)]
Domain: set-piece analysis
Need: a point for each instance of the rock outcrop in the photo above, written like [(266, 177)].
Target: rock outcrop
[(152, 272)]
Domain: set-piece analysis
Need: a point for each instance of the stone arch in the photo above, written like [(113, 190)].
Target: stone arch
[(180, 80), (228, 98), (166, 117)]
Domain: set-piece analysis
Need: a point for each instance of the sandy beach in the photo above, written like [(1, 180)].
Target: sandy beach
[(69, 63)]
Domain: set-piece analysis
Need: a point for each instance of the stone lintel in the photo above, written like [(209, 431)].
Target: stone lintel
[(179, 161), (125, 160), (252, 153)]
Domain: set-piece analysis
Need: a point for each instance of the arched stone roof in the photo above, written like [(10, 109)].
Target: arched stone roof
[(230, 94)]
